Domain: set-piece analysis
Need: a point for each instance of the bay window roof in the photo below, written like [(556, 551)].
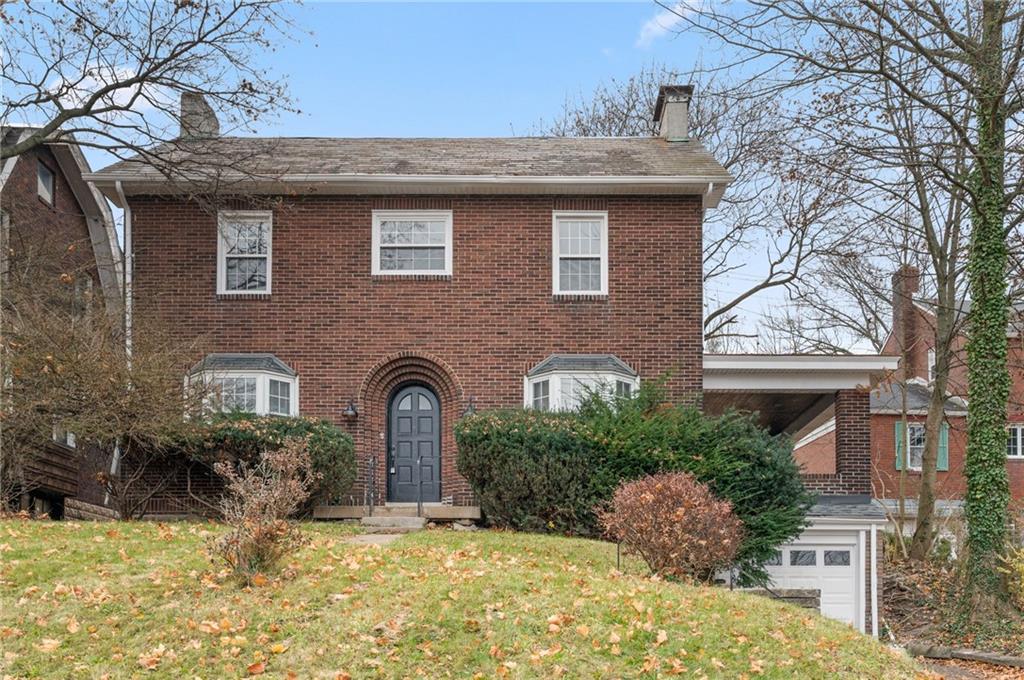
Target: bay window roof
[(582, 363), (243, 362)]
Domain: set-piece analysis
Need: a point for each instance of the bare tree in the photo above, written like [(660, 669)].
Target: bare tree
[(109, 75), (932, 55), (66, 365), (774, 219)]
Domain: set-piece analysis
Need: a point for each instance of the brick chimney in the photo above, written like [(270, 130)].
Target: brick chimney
[(672, 112), (198, 119), (905, 284)]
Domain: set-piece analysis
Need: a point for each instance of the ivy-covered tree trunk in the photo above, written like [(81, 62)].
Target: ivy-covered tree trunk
[(988, 376)]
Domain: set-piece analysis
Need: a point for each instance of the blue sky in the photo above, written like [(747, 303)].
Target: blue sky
[(461, 69)]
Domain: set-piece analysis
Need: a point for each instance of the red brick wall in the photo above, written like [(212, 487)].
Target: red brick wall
[(949, 485), (350, 335), (853, 442), (54, 236), (818, 457)]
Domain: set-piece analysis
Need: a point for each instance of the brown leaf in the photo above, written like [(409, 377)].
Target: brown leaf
[(257, 668)]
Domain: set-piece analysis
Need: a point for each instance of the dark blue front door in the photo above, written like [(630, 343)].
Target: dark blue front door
[(414, 453)]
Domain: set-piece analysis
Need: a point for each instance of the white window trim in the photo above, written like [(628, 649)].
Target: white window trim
[(910, 426), (263, 379), (1019, 428), (222, 249), (383, 215), (554, 379), (931, 366), (556, 255)]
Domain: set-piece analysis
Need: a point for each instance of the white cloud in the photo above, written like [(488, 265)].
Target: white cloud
[(661, 24)]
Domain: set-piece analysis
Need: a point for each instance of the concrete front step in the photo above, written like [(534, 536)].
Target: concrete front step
[(399, 524)]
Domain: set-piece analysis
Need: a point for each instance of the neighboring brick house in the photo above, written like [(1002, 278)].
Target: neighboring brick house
[(392, 285), (913, 340), (52, 220)]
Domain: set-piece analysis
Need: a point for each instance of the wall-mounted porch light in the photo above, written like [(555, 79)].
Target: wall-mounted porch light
[(350, 411), (471, 408)]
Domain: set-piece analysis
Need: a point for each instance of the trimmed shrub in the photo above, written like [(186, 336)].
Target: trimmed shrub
[(530, 469), (675, 524), (245, 437), (535, 471), (258, 500)]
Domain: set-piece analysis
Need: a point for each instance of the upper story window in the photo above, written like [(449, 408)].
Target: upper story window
[(253, 383), (1015, 441), (915, 445), (580, 253), (412, 242), (243, 252), (563, 381), (931, 365), (44, 182)]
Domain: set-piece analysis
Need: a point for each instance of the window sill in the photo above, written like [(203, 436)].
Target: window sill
[(579, 297), (410, 277), (243, 296)]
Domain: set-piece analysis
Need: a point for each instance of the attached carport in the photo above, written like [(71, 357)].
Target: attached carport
[(792, 395)]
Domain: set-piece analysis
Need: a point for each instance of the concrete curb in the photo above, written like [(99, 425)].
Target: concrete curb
[(930, 651)]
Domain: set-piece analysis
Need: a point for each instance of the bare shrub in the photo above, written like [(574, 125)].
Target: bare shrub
[(675, 524), (259, 500)]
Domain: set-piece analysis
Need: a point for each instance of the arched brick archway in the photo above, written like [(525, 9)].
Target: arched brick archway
[(380, 383)]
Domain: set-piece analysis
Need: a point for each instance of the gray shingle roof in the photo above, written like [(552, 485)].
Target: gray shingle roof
[(243, 362), (847, 507), (587, 363), (889, 398), (501, 156)]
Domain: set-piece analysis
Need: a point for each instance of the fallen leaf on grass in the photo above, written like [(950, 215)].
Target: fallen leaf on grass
[(48, 645), (257, 668)]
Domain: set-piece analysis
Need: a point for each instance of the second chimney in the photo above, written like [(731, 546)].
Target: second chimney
[(672, 112), (198, 119)]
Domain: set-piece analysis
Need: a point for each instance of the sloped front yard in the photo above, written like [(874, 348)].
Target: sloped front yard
[(141, 600)]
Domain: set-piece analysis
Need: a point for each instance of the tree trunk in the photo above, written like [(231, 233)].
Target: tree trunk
[(989, 380), (945, 313)]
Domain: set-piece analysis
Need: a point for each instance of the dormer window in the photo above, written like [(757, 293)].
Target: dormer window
[(563, 381), (412, 242), (44, 182), (251, 383), (243, 252)]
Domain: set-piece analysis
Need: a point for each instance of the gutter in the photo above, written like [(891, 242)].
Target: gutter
[(115, 461)]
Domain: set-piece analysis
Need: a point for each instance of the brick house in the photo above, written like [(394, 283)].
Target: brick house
[(391, 285), (913, 340), (53, 220)]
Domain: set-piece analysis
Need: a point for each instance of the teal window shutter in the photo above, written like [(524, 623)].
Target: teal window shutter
[(901, 441), (943, 462)]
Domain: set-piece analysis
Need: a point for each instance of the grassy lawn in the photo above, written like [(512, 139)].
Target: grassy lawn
[(143, 600)]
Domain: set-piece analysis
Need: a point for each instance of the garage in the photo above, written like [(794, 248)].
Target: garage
[(835, 555), (829, 567)]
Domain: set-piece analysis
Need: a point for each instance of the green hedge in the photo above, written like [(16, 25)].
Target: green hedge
[(242, 436), (548, 472)]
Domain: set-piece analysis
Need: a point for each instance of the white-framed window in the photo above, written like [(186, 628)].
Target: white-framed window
[(244, 252), (565, 390), (579, 253), (931, 365), (44, 182), (915, 445), (410, 242), (63, 437), (1015, 441), (257, 392)]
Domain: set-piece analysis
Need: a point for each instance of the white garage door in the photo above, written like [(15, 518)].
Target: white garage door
[(830, 568)]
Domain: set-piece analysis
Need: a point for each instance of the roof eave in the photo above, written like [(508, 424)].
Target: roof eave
[(710, 188)]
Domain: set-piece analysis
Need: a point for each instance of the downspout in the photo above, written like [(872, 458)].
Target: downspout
[(874, 580), (129, 260)]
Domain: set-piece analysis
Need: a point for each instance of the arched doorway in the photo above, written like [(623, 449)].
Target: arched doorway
[(414, 445)]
